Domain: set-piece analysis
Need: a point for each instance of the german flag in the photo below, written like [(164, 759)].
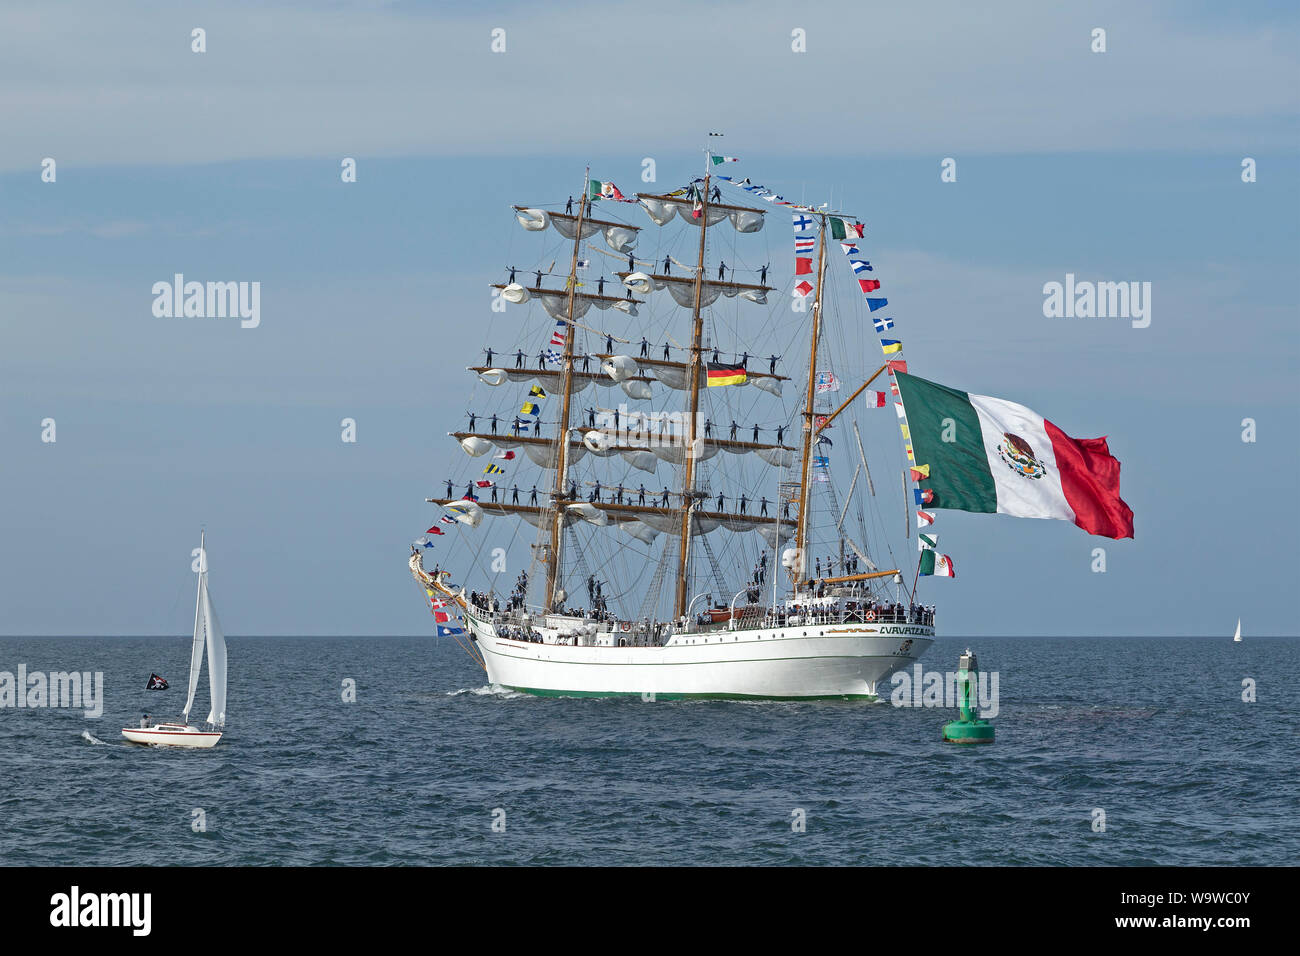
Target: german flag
[(720, 373)]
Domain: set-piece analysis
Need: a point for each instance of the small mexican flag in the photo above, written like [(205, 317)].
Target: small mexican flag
[(719, 160), (843, 229), (599, 190), (940, 565), (994, 456)]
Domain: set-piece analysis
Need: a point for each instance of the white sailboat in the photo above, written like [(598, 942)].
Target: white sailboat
[(1237, 637), (207, 633)]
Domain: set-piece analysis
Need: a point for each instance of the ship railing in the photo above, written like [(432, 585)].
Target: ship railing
[(749, 618), (794, 617)]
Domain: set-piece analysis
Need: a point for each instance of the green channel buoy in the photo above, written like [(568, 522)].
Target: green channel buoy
[(969, 728)]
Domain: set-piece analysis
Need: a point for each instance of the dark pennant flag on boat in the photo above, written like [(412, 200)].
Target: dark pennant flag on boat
[(155, 683)]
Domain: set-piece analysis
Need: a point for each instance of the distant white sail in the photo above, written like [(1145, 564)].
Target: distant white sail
[(1237, 637), (216, 661)]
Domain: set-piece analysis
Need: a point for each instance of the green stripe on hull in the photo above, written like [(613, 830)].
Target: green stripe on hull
[(543, 692), (946, 435)]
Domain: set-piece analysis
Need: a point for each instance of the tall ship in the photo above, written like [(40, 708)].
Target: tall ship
[(687, 445), (710, 523)]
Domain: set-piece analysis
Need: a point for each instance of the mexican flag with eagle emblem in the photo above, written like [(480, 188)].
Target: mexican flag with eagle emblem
[(599, 190), (977, 453)]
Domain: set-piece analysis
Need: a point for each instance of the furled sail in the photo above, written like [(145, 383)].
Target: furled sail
[(551, 381), (639, 282), (514, 293), (589, 513), (619, 367), (775, 534), (641, 521), (682, 289), (547, 456), (556, 303), (534, 220), (466, 512), (677, 377), (474, 446), (661, 210), (618, 236), (639, 530), (637, 447), (635, 389), (642, 460)]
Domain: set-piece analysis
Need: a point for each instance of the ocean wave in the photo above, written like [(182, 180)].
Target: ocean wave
[(490, 690)]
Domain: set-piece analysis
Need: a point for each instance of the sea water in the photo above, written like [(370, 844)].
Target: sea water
[(1109, 751)]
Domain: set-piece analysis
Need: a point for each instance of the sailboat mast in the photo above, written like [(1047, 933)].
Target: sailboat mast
[(801, 529), (558, 494), (693, 371)]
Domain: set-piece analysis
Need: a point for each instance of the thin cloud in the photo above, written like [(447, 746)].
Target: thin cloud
[(105, 87)]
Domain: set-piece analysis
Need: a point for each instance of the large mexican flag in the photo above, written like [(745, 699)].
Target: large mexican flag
[(990, 455)]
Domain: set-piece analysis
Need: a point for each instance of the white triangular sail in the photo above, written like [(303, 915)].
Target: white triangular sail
[(196, 649), (216, 661), (207, 633), (1237, 637)]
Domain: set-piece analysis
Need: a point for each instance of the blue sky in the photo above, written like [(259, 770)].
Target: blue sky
[(1123, 165)]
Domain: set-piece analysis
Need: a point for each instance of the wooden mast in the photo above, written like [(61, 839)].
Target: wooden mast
[(688, 489), (559, 493), (801, 529)]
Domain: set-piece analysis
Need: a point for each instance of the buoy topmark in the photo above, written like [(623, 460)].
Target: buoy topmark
[(969, 728)]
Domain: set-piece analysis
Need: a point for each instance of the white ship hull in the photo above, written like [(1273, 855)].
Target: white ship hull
[(171, 735), (817, 661)]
